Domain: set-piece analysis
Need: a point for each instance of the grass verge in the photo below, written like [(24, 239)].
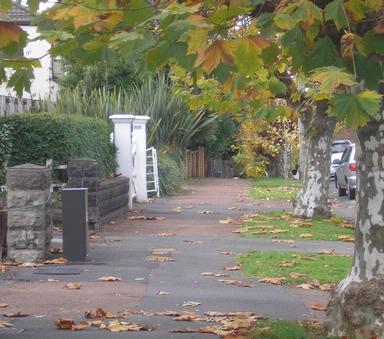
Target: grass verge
[(283, 329), (296, 268), (283, 225), (267, 188)]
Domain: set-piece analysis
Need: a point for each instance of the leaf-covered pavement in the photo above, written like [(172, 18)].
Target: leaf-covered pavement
[(122, 253)]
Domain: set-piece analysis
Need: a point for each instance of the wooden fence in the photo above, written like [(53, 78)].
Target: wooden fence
[(195, 163)]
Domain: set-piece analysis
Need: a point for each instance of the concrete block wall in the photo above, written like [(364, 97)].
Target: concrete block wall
[(113, 198), (29, 228), (107, 199)]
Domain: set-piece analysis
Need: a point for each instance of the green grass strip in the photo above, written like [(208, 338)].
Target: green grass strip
[(323, 268), (284, 226), (284, 329), (266, 188)]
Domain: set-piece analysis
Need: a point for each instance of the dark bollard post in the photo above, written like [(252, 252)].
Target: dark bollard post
[(75, 223)]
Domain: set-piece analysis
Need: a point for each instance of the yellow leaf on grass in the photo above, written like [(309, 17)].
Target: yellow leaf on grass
[(277, 231), (305, 235), (306, 286), (346, 238), (286, 264), (295, 275), (273, 280)]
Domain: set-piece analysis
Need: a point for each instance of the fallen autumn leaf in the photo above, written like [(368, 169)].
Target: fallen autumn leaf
[(109, 278)]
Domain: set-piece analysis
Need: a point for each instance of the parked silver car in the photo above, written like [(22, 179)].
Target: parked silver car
[(338, 147), (345, 177)]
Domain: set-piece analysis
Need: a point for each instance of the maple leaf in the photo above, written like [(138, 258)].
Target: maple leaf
[(82, 16), (331, 78), (295, 275), (220, 51), (9, 32), (356, 109), (357, 9), (335, 11)]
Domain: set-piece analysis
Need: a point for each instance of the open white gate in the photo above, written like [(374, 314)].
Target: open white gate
[(152, 172)]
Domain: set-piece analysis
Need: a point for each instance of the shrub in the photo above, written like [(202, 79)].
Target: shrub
[(38, 137), (5, 151), (171, 174)]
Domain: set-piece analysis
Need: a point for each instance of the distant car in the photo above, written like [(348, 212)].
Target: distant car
[(345, 178), (338, 147)]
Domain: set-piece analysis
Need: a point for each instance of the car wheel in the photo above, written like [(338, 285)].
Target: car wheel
[(342, 191), (351, 193), (336, 185)]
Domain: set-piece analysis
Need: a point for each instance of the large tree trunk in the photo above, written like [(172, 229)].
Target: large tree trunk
[(302, 144), (318, 132), (357, 305), (287, 154)]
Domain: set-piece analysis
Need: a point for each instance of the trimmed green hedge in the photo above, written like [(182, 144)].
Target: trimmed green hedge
[(34, 138), (5, 151), (171, 174)]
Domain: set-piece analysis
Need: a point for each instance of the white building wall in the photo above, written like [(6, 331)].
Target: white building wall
[(42, 86)]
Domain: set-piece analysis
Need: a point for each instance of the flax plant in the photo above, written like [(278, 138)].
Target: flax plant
[(172, 124)]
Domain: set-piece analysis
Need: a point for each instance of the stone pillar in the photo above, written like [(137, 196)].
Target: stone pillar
[(85, 173), (140, 135), (29, 228)]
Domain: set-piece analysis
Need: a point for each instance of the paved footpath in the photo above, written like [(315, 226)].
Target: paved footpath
[(195, 239)]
